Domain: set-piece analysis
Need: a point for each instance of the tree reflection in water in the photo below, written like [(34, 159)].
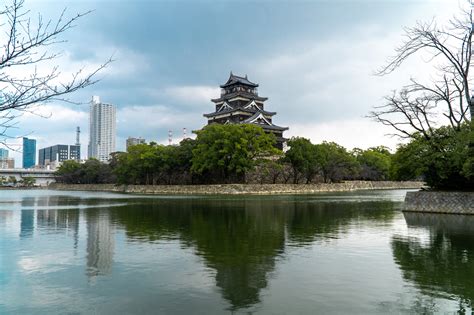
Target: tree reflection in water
[(443, 264), (242, 239)]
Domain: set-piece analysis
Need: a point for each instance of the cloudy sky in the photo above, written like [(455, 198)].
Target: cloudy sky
[(313, 59)]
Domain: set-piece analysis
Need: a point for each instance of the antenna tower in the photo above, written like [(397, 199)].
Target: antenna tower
[(78, 135), (170, 137), (184, 133)]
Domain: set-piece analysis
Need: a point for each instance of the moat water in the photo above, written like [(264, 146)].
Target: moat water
[(345, 253)]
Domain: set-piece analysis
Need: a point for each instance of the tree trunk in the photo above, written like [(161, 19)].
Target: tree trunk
[(295, 176), (471, 110)]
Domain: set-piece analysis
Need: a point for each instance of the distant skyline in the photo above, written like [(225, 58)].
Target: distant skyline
[(314, 60)]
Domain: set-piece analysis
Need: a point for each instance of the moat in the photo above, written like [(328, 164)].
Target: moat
[(83, 252)]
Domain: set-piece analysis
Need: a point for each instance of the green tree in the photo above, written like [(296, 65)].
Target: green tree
[(443, 160), (302, 158), (407, 162), (12, 180), (68, 172), (180, 161), (374, 163), (116, 162), (28, 181), (148, 160), (228, 151), (137, 165), (95, 172), (334, 161), (91, 172), (151, 164), (468, 166), (270, 170)]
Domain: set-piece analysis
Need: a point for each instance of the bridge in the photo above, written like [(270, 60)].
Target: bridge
[(43, 177)]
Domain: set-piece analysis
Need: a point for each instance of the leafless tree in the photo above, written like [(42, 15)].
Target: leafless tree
[(420, 107), (27, 49)]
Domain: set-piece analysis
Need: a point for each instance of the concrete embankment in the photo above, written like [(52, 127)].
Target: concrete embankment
[(236, 189), (440, 202)]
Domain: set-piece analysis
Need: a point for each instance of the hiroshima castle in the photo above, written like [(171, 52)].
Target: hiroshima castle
[(240, 103)]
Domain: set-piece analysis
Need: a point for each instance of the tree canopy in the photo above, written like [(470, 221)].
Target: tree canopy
[(328, 160), (151, 164), (231, 150), (302, 158), (375, 163), (444, 161), (90, 172), (246, 154)]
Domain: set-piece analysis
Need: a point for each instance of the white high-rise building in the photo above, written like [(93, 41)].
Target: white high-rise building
[(102, 130)]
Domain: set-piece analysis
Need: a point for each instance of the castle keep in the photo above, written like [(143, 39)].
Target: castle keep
[(240, 103)]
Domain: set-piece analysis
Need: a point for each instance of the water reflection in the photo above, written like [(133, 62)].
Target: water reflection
[(310, 222), (5, 217), (237, 240), (100, 234), (27, 223), (241, 240), (100, 243), (239, 244), (59, 221), (441, 264)]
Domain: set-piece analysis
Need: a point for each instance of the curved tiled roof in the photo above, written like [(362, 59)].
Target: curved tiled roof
[(247, 110), (234, 79), (269, 125), (239, 93)]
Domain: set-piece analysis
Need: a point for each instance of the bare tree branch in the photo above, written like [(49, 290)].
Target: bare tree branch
[(26, 50), (422, 107)]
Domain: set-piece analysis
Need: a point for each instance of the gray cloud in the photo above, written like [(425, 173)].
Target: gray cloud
[(314, 60)]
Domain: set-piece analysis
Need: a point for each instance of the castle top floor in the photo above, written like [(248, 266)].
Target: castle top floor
[(237, 84)]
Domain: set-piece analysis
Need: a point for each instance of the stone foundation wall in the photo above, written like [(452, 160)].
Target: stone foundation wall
[(235, 189), (440, 202)]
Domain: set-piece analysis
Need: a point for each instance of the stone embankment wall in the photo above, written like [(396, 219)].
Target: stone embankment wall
[(235, 189), (440, 202)]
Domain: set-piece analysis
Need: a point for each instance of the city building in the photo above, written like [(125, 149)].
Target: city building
[(7, 163), (102, 130), (240, 103), (134, 141), (29, 153), (54, 155), (3, 153)]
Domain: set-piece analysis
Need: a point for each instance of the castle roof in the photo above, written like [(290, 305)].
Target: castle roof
[(234, 79), (259, 119), (243, 94), (247, 110)]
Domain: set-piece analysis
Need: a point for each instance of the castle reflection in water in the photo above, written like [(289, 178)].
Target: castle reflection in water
[(240, 239)]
